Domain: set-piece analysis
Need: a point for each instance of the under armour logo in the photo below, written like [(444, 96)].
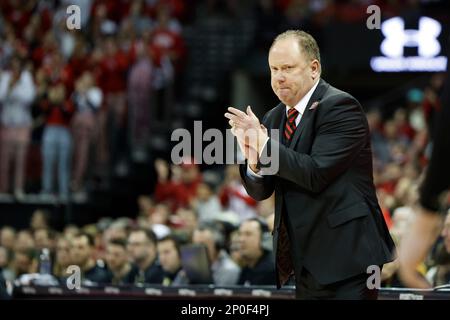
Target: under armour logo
[(397, 37)]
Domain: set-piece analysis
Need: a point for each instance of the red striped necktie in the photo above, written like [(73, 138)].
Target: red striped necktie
[(290, 126)]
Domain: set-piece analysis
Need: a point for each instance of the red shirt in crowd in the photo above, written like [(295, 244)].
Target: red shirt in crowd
[(58, 115), (167, 43), (111, 73), (176, 194)]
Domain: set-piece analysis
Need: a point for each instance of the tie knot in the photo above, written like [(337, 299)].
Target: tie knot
[(292, 114)]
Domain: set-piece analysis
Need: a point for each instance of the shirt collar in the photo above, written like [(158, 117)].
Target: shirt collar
[(301, 105)]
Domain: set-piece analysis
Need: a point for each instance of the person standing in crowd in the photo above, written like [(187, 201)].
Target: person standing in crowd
[(17, 92), (87, 99), (57, 141)]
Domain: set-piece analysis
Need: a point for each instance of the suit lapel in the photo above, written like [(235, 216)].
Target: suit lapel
[(306, 117)]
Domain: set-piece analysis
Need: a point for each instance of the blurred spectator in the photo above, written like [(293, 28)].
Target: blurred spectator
[(24, 262), (259, 263), (414, 99), (206, 203), (70, 231), (62, 258), (139, 19), (8, 238), (185, 221), (225, 271), (143, 253), (40, 219), (234, 197), (145, 205), (111, 67), (159, 219), (24, 241), (117, 262), (87, 99), (17, 92), (182, 185), (167, 45), (139, 94), (3, 290), (379, 147), (235, 248), (170, 258), (82, 251), (57, 141), (5, 269), (114, 231), (44, 238)]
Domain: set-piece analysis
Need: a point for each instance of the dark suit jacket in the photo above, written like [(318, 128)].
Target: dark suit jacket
[(324, 187)]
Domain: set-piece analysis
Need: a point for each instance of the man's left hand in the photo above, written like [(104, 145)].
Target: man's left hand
[(248, 123)]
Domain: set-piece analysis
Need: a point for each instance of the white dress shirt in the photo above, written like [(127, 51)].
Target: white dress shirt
[(300, 106)]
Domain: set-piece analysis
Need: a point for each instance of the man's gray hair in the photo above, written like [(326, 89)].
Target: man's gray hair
[(306, 42)]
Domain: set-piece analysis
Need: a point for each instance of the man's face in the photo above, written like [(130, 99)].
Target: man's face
[(446, 233), (139, 247), (291, 71), (24, 241), (168, 256), (81, 251), (22, 263), (7, 238), (116, 256), (249, 238), (63, 253)]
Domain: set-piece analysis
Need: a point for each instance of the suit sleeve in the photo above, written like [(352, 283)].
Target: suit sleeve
[(342, 132)]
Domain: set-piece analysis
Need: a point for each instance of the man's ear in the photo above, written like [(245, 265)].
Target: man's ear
[(315, 69)]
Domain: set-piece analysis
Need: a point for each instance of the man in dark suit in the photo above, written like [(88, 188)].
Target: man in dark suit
[(328, 225)]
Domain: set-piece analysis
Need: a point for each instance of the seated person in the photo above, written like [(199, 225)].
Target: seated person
[(81, 252), (170, 259), (117, 261), (142, 250), (259, 263), (225, 271)]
